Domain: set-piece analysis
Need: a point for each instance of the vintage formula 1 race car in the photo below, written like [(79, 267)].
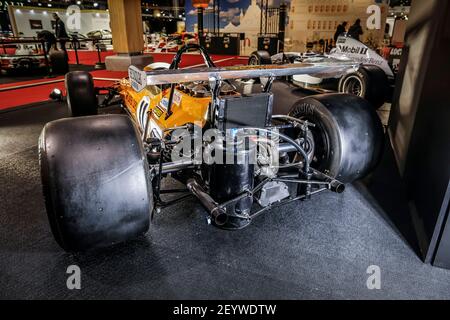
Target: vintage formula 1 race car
[(102, 173), (373, 80), (24, 57)]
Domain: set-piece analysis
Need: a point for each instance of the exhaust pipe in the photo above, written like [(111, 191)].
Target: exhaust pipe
[(337, 186), (216, 213), (334, 185)]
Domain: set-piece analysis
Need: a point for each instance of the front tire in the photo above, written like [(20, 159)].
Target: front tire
[(348, 135), (96, 185), (81, 96), (259, 57), (369, 82)]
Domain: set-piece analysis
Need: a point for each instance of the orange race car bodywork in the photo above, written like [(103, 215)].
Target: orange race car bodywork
[(152, 101)]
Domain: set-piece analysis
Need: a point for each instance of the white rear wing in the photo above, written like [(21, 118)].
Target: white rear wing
[(140, 79)]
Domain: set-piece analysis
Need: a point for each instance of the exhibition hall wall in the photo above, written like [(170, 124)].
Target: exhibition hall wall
[(30, 21), (307, 20), (312, 20)]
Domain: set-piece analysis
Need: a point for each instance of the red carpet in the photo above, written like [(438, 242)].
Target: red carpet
[(91, 58), (23, 96), (7, 50), (19, 97), (88, 57)]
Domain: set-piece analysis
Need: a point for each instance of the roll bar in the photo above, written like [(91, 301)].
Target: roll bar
[(176, 60)]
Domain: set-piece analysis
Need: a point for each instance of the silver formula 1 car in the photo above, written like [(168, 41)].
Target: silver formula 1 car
[(372, 81)]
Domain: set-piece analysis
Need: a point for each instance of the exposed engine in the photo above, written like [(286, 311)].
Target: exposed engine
[(247, 158), (201, 89)]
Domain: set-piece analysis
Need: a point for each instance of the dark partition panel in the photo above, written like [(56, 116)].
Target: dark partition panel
[(419, 126)]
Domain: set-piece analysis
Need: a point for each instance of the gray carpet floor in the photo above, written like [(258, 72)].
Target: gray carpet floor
[(318, 249)]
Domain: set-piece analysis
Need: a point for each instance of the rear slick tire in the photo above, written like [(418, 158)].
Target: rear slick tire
[(96, 184), (348, 134)]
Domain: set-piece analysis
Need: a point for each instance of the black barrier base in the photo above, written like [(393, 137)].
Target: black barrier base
[(100, 66), (268, 43), (221, 44)]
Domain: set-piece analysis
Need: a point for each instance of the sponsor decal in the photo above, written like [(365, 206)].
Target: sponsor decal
[(142, 111), (155, 130), (157, 111), (373, 61), (395, 55), (163, 104), (354, 50), (395, 65), (396, 51), (177, 97), (138, 78)]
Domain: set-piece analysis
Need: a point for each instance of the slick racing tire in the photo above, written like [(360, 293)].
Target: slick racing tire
[(259, 57), (348, 135), (96, 184), (59, 62), (81, 97), (369, 82)]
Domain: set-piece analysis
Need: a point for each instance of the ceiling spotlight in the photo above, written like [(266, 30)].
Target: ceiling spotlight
[(49, 4), (95, 4), (39, 4), (78, 2)]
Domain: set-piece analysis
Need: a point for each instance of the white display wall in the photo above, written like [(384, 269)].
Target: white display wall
[(22, 19), (312, 20)]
